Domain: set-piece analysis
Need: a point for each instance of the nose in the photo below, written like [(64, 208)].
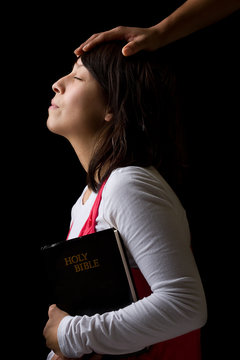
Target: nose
[(58, 86)]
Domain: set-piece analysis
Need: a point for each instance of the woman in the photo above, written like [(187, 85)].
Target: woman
[(119, 115)]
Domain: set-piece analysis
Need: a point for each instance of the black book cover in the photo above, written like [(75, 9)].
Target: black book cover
[(89, 274)]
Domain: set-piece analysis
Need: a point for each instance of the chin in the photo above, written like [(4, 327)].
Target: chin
[(52, 126)]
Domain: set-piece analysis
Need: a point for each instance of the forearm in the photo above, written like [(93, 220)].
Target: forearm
[(193, 15), (133, 328)]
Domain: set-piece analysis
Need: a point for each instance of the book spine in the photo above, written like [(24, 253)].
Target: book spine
[(126, 267)]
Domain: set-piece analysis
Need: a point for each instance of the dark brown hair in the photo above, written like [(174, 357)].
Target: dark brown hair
[(140, 93)]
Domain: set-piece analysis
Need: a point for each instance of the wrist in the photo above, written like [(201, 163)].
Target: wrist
[(160, 33), (66, 339)]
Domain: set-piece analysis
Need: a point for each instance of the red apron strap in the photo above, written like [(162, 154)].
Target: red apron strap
[(89, 226)]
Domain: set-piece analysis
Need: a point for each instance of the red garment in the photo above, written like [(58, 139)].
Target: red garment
[(184, 347)]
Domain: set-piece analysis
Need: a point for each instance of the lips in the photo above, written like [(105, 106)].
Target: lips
[(53, 105)]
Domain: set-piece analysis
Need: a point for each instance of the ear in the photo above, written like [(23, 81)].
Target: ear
[(108, 116)]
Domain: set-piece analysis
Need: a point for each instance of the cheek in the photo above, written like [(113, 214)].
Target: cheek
[(85, 114), (82, 112)]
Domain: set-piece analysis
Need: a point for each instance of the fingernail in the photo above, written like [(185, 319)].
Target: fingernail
[(125, 51)]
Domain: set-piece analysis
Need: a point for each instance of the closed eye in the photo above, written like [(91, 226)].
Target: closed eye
[(75, 77)]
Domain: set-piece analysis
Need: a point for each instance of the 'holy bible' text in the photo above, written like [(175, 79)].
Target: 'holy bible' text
[(81, 262)]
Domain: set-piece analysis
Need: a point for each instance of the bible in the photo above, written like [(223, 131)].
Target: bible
[(88, 274)]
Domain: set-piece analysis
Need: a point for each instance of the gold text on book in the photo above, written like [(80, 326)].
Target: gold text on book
[(81, 262)]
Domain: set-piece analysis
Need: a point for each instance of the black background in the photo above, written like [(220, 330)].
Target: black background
[(42, 177)]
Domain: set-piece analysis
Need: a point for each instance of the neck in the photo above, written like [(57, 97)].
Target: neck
[(83, 151)]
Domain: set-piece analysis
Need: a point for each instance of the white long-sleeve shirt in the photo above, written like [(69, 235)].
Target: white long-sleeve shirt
[(152, 222)]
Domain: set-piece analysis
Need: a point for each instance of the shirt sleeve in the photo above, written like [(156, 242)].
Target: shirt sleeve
[(50, 355), (155, 231)]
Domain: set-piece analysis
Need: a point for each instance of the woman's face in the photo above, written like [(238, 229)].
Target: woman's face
[(78, 109)]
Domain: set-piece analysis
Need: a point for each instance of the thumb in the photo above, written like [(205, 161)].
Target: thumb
[(132, 48)]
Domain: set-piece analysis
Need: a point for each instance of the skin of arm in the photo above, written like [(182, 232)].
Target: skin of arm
[(193, 15)]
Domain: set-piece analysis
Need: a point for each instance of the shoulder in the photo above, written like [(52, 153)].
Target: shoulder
[(125, 181), (136, 184), (134, 176)]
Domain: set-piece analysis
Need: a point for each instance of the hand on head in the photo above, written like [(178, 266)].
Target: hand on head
[(187, 18), (137, 39)]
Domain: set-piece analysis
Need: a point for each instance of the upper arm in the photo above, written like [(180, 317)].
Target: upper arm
[(153, 226)]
